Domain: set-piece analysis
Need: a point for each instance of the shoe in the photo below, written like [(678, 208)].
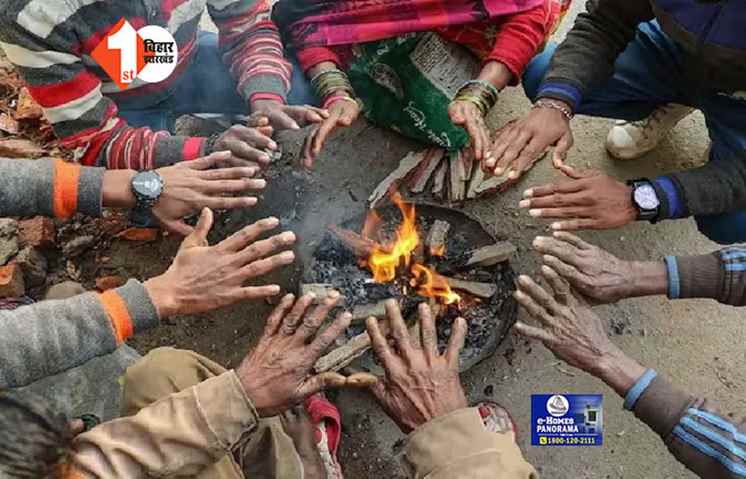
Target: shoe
[(629, 140)]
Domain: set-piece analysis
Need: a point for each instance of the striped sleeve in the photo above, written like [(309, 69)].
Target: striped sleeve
[(707, 442), (84, 120), (252, 48), (720, 275)]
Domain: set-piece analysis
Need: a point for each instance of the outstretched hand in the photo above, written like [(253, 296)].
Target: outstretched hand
[(204, 278), (285, 117), (342, 113), (420, 383), (189, 186), (582, 200), (466, 114), (277, 373)]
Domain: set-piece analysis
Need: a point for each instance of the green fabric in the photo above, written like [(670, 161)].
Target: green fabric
[(397, 95)]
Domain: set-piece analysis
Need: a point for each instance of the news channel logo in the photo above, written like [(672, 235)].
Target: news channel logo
[(567, 419)]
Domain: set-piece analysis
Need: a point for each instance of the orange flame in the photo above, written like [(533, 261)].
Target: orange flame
[(386, 260)]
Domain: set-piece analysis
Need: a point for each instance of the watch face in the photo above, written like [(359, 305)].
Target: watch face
[(147, 184), (646, 198)]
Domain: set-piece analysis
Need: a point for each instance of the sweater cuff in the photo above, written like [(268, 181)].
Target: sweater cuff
[(130, 310), (174, 149), (228, 412), (90, 194), (560, 90), (264, 84), (700, 276), (672, 205), (661, 406), (640, 386)]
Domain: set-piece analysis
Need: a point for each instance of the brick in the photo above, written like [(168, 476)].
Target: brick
[(106, 283), (11, 281), (38, 232), (33, 265), (8, 239)]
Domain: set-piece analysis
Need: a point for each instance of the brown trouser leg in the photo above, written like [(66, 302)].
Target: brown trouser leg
[(270, 452)]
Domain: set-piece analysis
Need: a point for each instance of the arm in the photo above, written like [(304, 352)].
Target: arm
[(181, 434), (84, 120), (586, 58), (518, 39), (252, 48), (52, 336)]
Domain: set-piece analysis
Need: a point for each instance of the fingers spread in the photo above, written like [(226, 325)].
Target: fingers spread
[(294, 317), (567, 271), (398, 328), (379, 343), (560, 287), (275, 318), (532, 332), (263, 266), (243, 237), (262, 248), (456, 342), (531, 306), (539, 294), (313, 321), (551, 246)]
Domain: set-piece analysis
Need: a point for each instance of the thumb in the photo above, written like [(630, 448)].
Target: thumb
[(320, 382), (362, 380), (561, 148), (198, 237)]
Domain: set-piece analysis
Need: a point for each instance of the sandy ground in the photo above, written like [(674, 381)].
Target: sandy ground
[(698, 344)]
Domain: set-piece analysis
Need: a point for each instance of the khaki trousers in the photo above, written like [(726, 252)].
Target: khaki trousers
[(268, 454)]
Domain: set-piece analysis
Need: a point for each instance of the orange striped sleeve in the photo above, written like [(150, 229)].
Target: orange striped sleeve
[(119, 316), (65, 189)]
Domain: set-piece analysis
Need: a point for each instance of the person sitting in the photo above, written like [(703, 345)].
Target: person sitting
[(624, 59), (189, 416), (705, 440), (361, 53), (241, 70)]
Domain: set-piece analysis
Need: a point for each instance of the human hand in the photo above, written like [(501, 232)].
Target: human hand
[(573, 332), (189, 186), (597, 274), (420, 383), (286, 117), (466, 114), (519, 144), (589, 200), (204, 278), (247, 144), (277, 373), (341, 113)]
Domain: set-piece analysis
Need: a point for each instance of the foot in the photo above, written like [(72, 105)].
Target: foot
[(298, 426), (629, 140)]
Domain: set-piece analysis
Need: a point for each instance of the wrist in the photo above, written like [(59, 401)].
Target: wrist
[(497, 73), (161, 294), (263, 102), (619, 371), (648, 278), (117, 189), (560, 106)]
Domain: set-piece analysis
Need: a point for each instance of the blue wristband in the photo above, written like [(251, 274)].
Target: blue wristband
[(640, 386), (674, 282)]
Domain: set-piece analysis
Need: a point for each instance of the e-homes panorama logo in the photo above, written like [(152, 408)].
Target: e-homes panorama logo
[(149, 54)]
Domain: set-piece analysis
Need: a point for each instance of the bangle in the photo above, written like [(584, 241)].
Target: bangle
[(335, 98), (484, 84), (210, 143), (479, 92), (328, 82), (554, 105)]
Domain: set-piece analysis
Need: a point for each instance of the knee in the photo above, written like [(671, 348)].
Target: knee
[(535, 71)]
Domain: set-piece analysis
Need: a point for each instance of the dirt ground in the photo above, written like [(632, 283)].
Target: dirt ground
[(698, 344)]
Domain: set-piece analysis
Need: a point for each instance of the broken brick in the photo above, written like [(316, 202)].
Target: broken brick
[(11, 281), (38, 232), (106, 283), (33, 265), (27, 108), (139, 234)]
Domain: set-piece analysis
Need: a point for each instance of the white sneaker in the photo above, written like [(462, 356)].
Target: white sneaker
[(629, 140)]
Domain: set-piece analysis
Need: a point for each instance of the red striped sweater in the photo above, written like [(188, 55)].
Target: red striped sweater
[(50, 43)]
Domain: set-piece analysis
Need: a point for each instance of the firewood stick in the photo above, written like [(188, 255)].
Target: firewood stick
[(487, 256), (426, 170), (361, 312), (436, 237), (394, 179), (481, 290), (361, 247), (439, 179), (320, 290)]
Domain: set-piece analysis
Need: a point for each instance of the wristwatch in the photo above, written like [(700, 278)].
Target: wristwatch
[(645, 200), (147, 187)]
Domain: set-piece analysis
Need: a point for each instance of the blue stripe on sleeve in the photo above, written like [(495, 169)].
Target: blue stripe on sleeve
[(674, 282), (640, 386), (675, 207), (714, 436), (563, 89), (733, 254), (708, 450), (735, 267), (719, 422)]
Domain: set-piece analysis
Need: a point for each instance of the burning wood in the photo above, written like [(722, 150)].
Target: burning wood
[(436, 238), (480, 290), (425, 171), (362, 312), (361, 247), (391, 183), (486, 256)]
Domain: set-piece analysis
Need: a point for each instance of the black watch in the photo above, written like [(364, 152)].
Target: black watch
[(645, 199), (147, 186)]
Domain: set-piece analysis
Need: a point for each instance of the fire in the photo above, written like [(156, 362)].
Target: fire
[(389, 260)]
